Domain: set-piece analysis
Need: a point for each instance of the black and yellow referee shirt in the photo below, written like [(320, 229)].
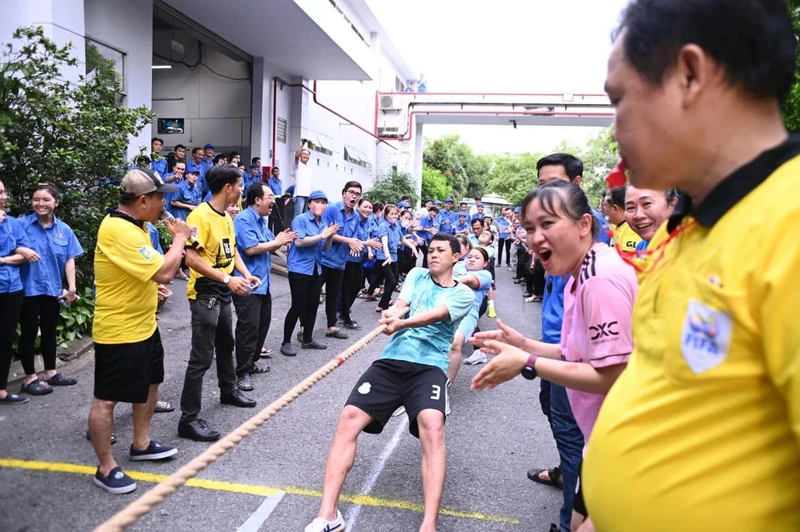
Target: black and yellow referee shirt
[(702, 430)]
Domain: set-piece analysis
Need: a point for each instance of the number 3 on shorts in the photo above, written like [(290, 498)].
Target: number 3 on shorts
[(437, 391)]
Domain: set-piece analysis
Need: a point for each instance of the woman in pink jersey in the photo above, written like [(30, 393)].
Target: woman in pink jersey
[(596, 338)]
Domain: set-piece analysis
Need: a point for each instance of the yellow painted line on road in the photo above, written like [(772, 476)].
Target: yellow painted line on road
[(252, 489)]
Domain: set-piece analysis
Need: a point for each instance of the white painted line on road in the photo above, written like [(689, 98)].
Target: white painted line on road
[(369, 483), (254, 522)]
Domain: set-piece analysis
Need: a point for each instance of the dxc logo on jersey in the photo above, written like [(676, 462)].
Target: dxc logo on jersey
[(603, 330)]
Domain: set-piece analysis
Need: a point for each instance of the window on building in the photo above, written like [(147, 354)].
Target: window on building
[(281, 133), (103, 58), (399, 86)]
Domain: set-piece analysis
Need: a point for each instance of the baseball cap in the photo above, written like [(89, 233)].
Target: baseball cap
[(437, 202), (208, 147), (462, 214), (403, 205), (449, 200), (517, 209), (254, 166), (141, 181), (479, 205), (317, 194)]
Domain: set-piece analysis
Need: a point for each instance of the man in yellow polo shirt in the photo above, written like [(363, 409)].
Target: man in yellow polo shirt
[(702, 430), (211, 257), (624, 235), (129, 357)]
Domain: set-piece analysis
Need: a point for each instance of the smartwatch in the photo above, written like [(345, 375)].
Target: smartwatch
[(529, 371), (226, 279)]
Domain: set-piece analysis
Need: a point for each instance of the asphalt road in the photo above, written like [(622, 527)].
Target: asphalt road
[(272, 480)]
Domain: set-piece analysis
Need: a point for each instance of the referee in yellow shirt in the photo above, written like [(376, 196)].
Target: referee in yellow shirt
[(702, 430)]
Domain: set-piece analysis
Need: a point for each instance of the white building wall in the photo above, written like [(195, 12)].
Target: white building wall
[(127, 25)]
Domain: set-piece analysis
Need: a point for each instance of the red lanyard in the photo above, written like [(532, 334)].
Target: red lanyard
[(651, 257)]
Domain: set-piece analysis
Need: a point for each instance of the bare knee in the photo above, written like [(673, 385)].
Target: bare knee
[(351, 422), (431, 426)]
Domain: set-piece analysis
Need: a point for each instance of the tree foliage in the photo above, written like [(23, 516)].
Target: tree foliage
[(391, 187), (434, 184), (464, 172), (791, 116), (74, 135)]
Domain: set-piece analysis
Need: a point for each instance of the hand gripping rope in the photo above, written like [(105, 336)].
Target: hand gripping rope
[(159, 493)]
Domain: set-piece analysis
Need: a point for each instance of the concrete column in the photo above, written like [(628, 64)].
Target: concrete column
[(299, 120), (261, 124), (417, 152)]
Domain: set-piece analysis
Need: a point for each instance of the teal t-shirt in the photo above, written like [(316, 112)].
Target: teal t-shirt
[(484, 277), (429, 345)]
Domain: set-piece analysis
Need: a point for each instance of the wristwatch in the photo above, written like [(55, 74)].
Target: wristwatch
[(529, 371), (226, 279)]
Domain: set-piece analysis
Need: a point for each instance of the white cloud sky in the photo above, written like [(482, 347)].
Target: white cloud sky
[(531, 46)]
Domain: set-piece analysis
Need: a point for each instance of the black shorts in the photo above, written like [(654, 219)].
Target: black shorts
[(578, 504), (124, 372), (389, 384)]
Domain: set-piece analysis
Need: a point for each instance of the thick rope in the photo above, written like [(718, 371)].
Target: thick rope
[(158, 494)]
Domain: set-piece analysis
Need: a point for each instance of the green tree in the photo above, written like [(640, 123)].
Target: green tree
[(791, 116), (434, 184), (74, 135), (391, 187), (465, 173), (513, 176), (599, 157)]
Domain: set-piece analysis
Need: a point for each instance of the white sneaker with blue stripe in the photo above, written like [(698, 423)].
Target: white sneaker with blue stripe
[(320, 524)]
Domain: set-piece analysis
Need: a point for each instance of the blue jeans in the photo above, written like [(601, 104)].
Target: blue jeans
[(300, 205), (569, 441)]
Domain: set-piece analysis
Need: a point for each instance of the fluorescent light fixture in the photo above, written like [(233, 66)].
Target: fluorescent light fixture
[(161, 67)]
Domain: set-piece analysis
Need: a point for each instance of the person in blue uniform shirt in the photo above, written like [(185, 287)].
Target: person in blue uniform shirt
[(158, 163), (188, 197), (448, 217), (197, 164)]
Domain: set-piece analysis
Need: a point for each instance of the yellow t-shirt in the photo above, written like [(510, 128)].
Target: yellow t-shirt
[(702, 430), (626, 237), (215, 241), (127, 296)]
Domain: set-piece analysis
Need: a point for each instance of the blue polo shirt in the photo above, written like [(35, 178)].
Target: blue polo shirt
[(336, 256), (189, 194), (152, 230), (458, 227), (363, 235), (248, 179), (12, 236), (306, 260), (427, 222), (252, 230), (276, 185), (478, 215), (169, 196), (503, 227), (553, 302), (201, 169), (393, 233), (160, 166), (447, 221), (55, 245)]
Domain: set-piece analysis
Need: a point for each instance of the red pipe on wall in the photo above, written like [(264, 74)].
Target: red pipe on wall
[(313, 91)]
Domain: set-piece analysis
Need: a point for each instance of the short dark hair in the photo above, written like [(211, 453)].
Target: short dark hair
[(479, 220), (433, 208), (616, 196), (233, 154), (752, 40), (406, 198), (351, 184), (254, 159), (219, 176), (179, 146), (570, 197), (195, 150), (455, 245), (378, 206), (363, 199), (50, 188), (156, 139), (256, 191), (573, 166), (219, 157), (274, 168)]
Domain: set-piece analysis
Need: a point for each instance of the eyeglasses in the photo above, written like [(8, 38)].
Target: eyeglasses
[(353, 193)]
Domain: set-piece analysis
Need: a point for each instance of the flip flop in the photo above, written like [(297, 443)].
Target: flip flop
[(162, 407), (553, 473)]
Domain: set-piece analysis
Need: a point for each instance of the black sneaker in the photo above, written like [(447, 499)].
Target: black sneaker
[(154, 451), (36, 387), (288, 350), (59, 379), (116, 482), (197, 430), (313, 344), (14, 399), (352, 325)]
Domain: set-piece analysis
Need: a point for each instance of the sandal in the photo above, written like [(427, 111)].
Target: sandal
[(162, 407), (553, 473), (257, 370)]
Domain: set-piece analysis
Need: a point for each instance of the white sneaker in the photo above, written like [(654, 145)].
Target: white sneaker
[(323, 525), (399, 412), (478, 357)]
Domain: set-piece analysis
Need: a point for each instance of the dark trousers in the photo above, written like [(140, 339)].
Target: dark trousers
[(523, 262), (504, 243), (405, 259), (390, 275), (423, 249), (276, 218), (10, 306), (305, 291), (351, 284), (38, 312), (253, 316), (538, 275), (332, 279), (212, 330)]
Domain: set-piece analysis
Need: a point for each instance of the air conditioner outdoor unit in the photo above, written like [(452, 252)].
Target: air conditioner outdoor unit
[(389, 132), (390, 103)]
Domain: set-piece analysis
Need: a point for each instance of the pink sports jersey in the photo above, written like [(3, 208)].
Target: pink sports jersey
[(598, 310)]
